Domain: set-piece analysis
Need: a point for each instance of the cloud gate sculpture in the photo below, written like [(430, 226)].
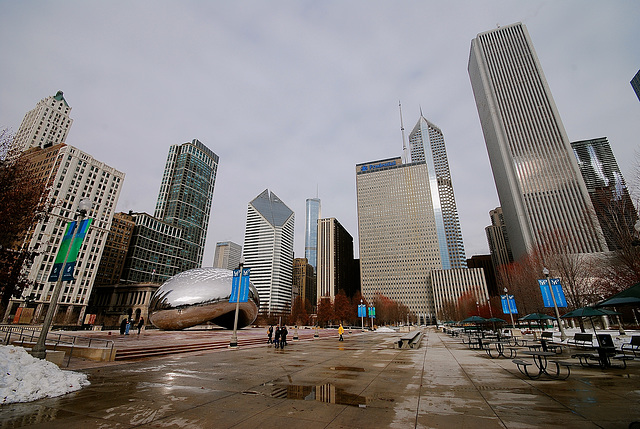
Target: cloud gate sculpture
[(200, 295)]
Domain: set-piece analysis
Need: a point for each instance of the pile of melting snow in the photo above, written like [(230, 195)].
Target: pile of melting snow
[(24, 378), (384, 329)]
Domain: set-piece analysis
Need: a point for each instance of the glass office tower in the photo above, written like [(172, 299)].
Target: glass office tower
[(186, 195), (311, 231), (541, 191), (426, 142)]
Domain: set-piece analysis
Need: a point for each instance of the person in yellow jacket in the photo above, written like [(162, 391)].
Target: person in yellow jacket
[(340, 332)]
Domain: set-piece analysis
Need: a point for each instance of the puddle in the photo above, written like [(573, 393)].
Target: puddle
[(323, 393), (347, 368)]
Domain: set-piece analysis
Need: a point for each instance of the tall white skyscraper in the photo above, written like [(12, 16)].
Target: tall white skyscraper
[(541, 191), (398, 233), (73, 175), (268, 251), (45, 125), (426, 143), (227, 255), (312, 214)]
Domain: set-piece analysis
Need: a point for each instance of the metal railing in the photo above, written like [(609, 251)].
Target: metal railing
[(30, 334)]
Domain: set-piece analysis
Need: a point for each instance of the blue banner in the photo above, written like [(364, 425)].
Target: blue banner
[(558, 293), (510, 306), (372, 312), (362, 310), (241, 285)]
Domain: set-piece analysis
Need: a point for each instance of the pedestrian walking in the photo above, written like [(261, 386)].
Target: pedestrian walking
[(283, 336), (123, 326), (127, 327), (140, 324), (340, 332), (270, 334), (276, 337)]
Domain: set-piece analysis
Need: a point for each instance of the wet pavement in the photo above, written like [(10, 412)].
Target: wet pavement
[(362, 382)]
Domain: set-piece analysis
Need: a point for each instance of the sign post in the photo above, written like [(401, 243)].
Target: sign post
[(362, 312), (509, 305), (546, 286)]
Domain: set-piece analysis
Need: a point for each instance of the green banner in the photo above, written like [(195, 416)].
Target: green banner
[(73, 239)]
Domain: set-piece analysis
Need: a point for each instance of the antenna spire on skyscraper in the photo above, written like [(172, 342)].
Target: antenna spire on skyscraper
[(404, 145)]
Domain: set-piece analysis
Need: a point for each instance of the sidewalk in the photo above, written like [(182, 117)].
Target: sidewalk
[(362, 382)]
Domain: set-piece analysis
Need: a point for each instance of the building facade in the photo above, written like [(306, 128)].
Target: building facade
[(115, 249), (607, 189), (426, 143), (397, 234), (498, 239), (335, 260), (155, 251), (451, 285), (268, 251), (45, 125), (304, 281), (69, 175), (541, 191), (312, 214), (185, 197), (228, 255)]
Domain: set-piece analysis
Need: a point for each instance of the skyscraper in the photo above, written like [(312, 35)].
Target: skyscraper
[(498, 239), (45, 125), (607, 189), (635, 83), (72, 175), (185, 197), (312, 214), (399, 245), (227, 255), (426, 143), (542, 195), (335, 260), (268, 251)]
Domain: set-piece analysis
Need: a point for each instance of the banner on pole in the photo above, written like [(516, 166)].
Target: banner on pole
[(558, 293), (510, 306), (372, 312), (240, 287), (68, 239), (362, 310)]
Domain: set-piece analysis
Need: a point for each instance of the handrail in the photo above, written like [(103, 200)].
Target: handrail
[(31, 334)]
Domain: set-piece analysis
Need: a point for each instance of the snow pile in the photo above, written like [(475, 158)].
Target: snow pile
[(384, 329), (24, 378)]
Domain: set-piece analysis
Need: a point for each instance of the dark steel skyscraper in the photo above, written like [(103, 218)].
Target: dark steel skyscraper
[(185, 197), (541, 191)]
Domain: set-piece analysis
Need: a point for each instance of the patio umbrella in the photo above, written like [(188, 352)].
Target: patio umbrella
[(474, 319), (588, 312), (627, 296), (496, 320), (537, 316)]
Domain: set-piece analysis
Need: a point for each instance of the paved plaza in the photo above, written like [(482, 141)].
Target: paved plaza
[(363, 382)]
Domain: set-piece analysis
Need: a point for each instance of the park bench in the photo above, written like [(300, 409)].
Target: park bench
[(547, 342), (584, 341), (606, 351), (410, 340), (633, 346)]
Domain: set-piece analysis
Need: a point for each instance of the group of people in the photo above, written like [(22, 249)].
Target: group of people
[(277, 338), (127, 323)]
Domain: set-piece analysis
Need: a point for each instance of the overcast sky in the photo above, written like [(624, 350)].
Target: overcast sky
[(293, 94)]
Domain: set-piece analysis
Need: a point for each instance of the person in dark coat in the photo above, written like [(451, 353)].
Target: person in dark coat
[(276, 337), (283, 336), (140, 324), (270, 334), (123, 326)]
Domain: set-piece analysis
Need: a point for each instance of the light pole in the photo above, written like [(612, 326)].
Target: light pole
[(506, 292), (563, 336), (477, 308), (39, 350), (234, 337)]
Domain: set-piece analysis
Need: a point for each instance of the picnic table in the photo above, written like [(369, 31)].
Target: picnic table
[(499, 347), (542, 364), (605, 353)]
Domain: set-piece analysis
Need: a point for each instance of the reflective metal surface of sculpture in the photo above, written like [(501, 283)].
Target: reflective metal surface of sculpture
[(200, 295)]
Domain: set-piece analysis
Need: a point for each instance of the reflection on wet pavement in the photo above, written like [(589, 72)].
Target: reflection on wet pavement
[(324, 393)]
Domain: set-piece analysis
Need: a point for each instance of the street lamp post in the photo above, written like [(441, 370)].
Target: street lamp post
[(563, 336), (477, 308), (39, 350), (234, 337), (506, 292)]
